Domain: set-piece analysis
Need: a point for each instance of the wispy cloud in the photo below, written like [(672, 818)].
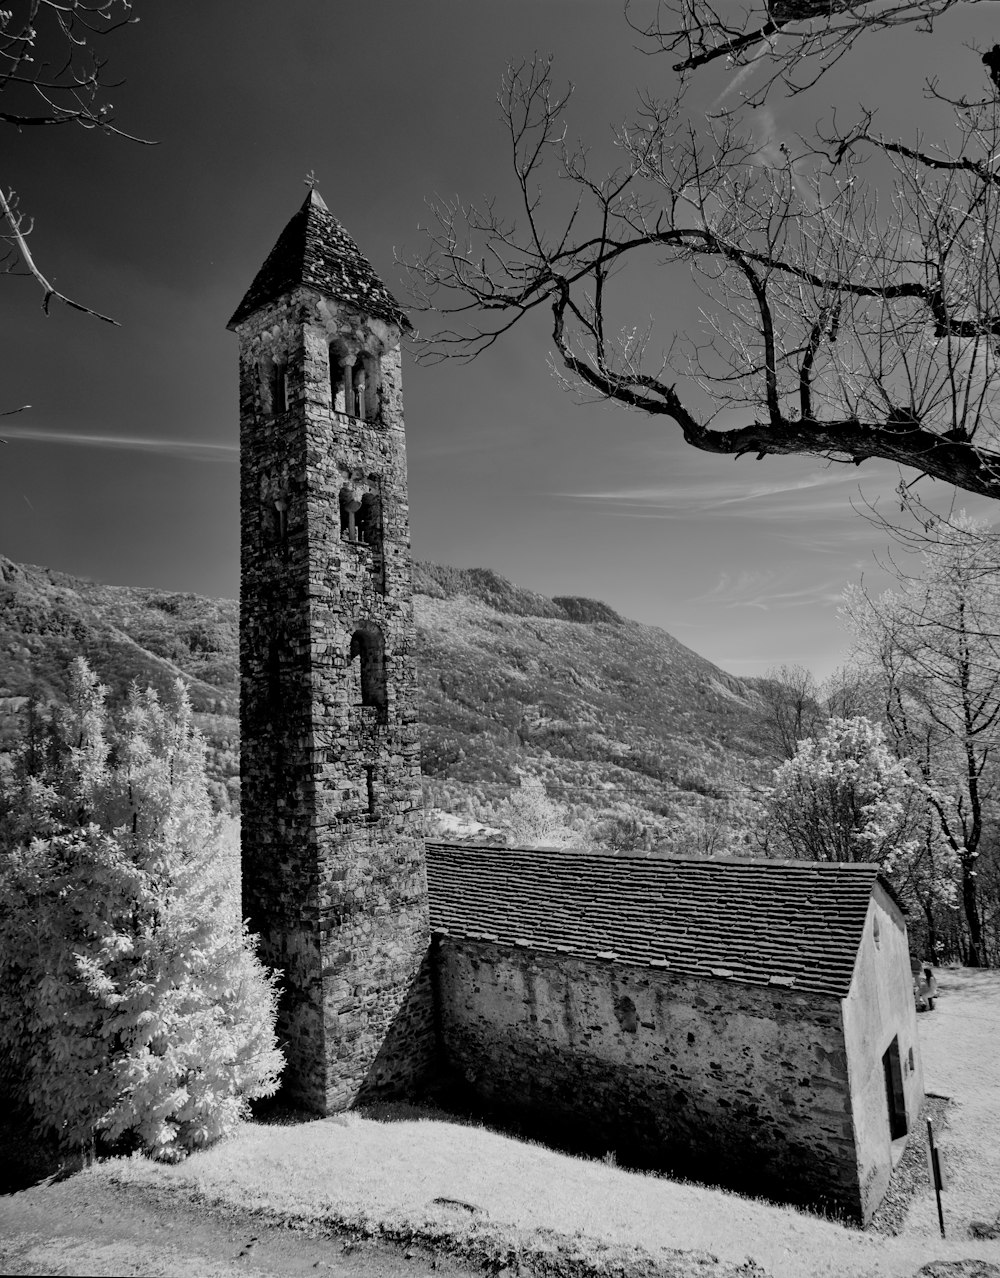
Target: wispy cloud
[(191, 450), (814, 493), (767, 589), (743, 73)]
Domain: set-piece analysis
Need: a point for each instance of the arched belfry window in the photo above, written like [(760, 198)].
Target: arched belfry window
[(354, 378), (360, 517), (368, 649)]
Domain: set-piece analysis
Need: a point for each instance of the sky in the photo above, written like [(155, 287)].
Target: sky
[(125, 467)]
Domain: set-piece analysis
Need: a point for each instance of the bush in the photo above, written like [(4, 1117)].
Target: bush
[(133, 1009)]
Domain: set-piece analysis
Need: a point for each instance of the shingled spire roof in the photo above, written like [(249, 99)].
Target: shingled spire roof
[(315, 250)]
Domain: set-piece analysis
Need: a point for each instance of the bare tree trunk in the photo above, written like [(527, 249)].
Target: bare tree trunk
[(970, 902)]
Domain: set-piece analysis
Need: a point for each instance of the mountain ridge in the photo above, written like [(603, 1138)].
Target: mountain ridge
[(604, 710)]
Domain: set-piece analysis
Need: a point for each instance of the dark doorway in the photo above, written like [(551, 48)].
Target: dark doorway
[(894, 1090)]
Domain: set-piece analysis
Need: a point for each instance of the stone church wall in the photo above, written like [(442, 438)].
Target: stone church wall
[(735, 1084)]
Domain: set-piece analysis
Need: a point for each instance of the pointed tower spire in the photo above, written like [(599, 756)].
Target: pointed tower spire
[(315, 250)]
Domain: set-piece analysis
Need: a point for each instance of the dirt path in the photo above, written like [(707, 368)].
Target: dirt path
[(81, 1226), (960, 1041)]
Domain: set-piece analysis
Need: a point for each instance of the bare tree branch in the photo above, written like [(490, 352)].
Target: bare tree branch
[(51, 75), (14, 222), (835, 323), (790, 43)]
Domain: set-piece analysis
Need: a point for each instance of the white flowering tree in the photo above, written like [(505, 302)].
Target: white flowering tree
[(530, 819), (843, 796), (133, 1009)]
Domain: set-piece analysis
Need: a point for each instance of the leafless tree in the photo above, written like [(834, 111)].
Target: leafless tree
[(52, 74), (791, 42), (837, 321), (791, 707), (851, 691)]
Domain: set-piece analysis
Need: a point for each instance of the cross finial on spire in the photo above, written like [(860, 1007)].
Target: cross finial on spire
[(311, 180)]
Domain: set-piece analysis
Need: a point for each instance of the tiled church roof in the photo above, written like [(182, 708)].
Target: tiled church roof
[(315, 249), (791, 924)]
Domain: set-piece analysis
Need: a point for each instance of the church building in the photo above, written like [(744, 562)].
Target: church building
[(751, 1023)]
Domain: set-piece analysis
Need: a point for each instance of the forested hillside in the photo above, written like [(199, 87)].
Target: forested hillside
[(608, 713), (126, 633)]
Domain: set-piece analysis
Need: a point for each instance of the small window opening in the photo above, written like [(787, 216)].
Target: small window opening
[(370, 783), (876, 931), (909, 1060), (369, 647), (279, 388), (894, 1090), (628, 1017)]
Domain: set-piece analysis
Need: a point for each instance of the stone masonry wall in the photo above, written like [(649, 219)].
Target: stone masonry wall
[(332, 853), (735, 1084)]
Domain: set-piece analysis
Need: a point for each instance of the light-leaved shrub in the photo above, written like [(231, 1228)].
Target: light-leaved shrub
[(134, 1011)]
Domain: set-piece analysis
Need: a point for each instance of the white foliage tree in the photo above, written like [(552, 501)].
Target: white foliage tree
[(531, 819), (133, 1008), (933, 649), (843, 796)]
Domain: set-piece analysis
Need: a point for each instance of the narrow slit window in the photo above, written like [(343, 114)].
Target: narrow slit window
[(370, 786), (279, 388)]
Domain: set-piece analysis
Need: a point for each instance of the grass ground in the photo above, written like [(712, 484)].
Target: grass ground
[(409, 1177)]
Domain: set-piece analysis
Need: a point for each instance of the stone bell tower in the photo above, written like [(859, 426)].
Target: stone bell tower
[(333, 860)]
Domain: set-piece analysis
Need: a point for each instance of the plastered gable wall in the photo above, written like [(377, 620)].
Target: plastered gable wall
[(741, 1085), (333, 857), (878, 1008)]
